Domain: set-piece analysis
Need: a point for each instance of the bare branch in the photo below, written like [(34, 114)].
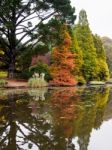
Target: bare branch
[(22, 26), (36, 26), (19, 29), (3, 31), (25, 7), (30, 18), (3, 140), (20, 33), (22, 20), (26, 35), (32, 44)]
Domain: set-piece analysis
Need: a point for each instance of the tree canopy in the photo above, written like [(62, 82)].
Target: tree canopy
[(63, 61), (86, 43), (103, 70), (93, 64), (20, 21)]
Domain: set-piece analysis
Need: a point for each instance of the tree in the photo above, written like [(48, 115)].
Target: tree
[(17, 25), (1, 63), (86, 44), (78, 58), (103, 71), (50, 32), (63, 61), (107, 43)]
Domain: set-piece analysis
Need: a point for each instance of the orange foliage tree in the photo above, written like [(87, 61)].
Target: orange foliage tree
[(63, 61)]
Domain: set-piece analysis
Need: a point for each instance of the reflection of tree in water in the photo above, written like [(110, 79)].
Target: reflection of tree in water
[(8, 130), (26, 123), (102, 101), (63, 102), (108, 111), (91, 115), (76, 116), (21, 128)]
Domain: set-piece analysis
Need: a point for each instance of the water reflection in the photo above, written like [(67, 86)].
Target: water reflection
[(51, 119)]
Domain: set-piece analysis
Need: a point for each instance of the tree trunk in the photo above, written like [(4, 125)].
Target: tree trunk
[(11, 70)]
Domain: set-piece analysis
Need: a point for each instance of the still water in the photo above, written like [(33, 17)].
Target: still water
[(56, 119)]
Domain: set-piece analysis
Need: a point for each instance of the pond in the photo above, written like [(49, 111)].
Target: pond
[(56, 119)]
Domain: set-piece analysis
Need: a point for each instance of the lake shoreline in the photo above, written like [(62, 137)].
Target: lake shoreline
[(23, 84)]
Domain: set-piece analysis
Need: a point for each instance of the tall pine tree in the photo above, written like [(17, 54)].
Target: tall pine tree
[(78, 58), (86, 43)]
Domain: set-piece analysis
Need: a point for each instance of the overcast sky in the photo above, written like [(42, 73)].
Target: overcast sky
[(99, 14)]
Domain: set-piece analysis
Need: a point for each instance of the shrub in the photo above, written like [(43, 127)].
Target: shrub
[(3, 74), (37, 82), (41, 67), (3, 83), (25, 74), (81, 80)]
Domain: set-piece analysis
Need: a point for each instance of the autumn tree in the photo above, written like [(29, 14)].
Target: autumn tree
[(20, 21), (86, 44), (63, 61)]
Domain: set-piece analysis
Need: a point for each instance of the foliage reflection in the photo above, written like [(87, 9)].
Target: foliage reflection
[(56, 119)]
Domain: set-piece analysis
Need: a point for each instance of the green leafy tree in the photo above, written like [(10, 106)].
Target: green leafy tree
[(50, 32), (17, 24), (78, 58), (103, 71), (86, 44)]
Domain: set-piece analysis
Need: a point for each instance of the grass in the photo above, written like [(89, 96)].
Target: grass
[(37, 82)]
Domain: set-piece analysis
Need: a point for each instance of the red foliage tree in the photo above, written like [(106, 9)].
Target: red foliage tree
[(63, 62)]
